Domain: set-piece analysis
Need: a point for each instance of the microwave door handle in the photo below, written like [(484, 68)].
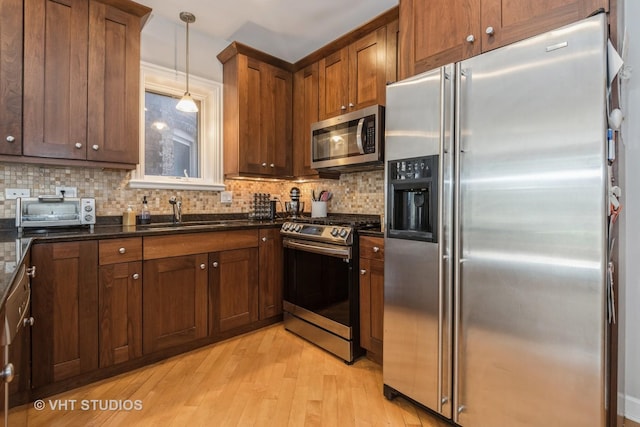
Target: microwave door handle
[(359, 135)]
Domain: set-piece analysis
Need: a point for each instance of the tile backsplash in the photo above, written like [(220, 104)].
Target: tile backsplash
[(360, 192)]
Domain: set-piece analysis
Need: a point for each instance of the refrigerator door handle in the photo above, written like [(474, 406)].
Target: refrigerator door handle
[(457, 265)]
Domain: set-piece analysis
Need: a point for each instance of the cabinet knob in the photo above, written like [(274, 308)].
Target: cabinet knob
[(8, 373), (272, 165), (203, 266), (11, 138), (28, 321), (135, 276), (122, 250), (343, 108), (471, 38), (490, 31), (351, 105), (363, 272), (264, 239), (95, 147), (31, 271), (78, 145), (215, 264), (376, 249), (264, 165)]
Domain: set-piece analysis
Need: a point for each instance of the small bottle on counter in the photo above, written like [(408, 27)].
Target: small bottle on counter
[(129, 217), (145, 215)]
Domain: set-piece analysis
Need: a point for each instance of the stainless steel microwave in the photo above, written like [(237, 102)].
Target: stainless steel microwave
[(352, 141)]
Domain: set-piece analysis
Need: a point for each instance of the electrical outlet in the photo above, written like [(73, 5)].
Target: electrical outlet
[(226, 196), (68, 191), (14, 193)]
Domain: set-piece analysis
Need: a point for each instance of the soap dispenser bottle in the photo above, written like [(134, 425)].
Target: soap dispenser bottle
[(145, 215)]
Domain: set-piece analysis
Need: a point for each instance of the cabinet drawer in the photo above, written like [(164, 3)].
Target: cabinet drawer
[(372, 247), (120, 250)]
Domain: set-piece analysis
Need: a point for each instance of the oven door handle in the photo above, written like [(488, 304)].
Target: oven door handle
[(337, 252)]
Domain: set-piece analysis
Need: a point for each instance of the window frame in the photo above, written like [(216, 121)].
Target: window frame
[(169, 82)]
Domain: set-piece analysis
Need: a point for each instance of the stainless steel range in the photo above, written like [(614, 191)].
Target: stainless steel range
[(321, 301)]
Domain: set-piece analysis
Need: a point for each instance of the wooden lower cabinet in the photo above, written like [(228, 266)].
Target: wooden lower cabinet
[(174, 295), (271, 270), (120, 312), (372, 295), (234, 289), (65, 304)]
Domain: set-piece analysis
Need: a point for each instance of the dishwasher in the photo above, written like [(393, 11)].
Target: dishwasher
[(15, 341)]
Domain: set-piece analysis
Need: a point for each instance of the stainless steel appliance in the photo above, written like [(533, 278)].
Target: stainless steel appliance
[(321, 302), (295, 207), (55, 211), (502, 320), (16, 344), (352, 141)]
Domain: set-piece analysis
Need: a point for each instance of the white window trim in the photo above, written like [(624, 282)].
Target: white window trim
[(209, 93)]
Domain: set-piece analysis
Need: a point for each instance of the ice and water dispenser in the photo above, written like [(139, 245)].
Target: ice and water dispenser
[(412, 208)]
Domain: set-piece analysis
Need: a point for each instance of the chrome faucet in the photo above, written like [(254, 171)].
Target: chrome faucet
[(176, 203)]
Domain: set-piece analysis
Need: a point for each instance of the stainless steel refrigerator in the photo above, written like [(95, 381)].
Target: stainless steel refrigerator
[(496, 247)]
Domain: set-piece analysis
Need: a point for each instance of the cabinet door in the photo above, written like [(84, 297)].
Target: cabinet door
[(55, 78), (435, 32), (333, 81), (305, 111), (234, 286), (367, 70), (174, 295), (65, 304), (371, 304), (393, 59), (11, 77), (120, 312), (505, 22), (252, 151), (277, 121), (114, 79), (270, 264)]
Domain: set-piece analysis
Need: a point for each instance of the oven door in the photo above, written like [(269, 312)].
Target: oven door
[(319, 284)]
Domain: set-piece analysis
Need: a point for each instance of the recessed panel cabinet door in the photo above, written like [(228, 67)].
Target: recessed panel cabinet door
[(234, 289), (11, 77), (305, 112), (367, 70), (334, 83), (114, 79), (65, 304), (174, 299), (271, 266), (55, 78)]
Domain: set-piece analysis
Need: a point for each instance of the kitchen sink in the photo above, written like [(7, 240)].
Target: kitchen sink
[(158, 226)]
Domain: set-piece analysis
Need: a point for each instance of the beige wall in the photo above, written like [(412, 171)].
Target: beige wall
[(353, 193)]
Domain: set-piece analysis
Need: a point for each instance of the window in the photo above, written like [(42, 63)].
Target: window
[(178, 150)]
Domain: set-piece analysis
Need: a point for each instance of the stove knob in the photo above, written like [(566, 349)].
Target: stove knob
[(343, 233), (285, 226), (298, 227), (334, 232)]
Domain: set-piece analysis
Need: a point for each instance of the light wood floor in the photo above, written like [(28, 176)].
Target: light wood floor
[(266, 378)]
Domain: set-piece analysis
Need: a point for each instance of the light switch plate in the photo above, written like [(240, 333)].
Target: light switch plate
[(14, 193), (226, 196)]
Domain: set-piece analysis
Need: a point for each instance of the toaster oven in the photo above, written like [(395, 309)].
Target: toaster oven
[(55, 211)]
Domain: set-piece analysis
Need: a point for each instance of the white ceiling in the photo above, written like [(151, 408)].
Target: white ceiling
[(287, 29)]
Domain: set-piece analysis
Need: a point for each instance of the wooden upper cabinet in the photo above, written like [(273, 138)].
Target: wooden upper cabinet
[(11, 77), (258, 110), (81, 80), (114, 81), (354, 77), (438, 32), (55, 78), (305, 113)]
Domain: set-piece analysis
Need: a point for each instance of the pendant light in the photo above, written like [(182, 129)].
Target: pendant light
[(187, 104)]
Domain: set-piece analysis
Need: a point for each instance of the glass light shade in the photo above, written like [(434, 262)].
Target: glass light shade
[(187, 104)]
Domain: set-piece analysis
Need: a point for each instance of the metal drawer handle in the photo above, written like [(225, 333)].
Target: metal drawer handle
[(31, 271), (135, 276), (8, 373), (28, 321), (122, 250)]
